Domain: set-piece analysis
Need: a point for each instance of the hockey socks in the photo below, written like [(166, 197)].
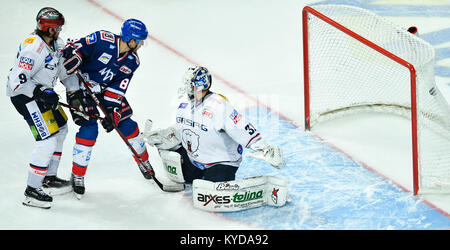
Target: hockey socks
[(81, 157), (39, 161), (138, 145)]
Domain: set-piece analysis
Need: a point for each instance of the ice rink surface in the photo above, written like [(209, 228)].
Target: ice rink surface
[(253, 48)]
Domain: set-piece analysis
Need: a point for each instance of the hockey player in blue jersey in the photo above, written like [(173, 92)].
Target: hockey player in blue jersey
[(107, 63)]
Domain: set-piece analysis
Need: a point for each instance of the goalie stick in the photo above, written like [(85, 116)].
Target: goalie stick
[(163, 187)]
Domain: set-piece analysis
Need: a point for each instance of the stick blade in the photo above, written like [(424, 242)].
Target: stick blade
[(176, 187)]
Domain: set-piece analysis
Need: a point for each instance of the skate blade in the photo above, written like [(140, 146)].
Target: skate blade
[(78, 196), (30, 202), (57, 191)]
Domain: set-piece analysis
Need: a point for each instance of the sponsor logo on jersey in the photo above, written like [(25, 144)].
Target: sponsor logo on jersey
[(183, 105), (104, 58), (41, 46), (191, 123), (29, 40), (26, 63), (125, 70), (207, 113), (191, 142), (239, 149), (48, 58), (107, 73), (235, 116), (107, 36), (92, 38)]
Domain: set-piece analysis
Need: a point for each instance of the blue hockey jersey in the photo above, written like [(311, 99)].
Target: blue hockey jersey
[(103, 65)]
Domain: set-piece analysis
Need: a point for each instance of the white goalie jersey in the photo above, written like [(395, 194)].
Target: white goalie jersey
[(36, 64), (213, 131)]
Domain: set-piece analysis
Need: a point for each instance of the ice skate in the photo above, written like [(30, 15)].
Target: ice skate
[(36, 197), (77, 185), (146, 170), (56, 186)]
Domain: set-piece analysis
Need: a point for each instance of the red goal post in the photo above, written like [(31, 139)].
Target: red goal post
[(338, 41)]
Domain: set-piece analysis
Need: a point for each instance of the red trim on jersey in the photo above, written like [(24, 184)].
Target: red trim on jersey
[(112, 95), (252, 140), (120, 59)]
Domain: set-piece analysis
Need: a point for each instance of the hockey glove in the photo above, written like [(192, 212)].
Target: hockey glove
[(112, 118), (47, 97), (166, 139), (72, 58), (269, 153), (79, 100)]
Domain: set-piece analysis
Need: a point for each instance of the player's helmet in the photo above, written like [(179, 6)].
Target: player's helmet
[(49, 17), (196, 79), (133, 29)]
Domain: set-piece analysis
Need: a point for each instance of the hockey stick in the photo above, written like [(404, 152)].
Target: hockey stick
[(79, 112), (167, 188)]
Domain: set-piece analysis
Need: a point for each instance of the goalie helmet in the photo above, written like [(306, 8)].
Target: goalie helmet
[(49, 17), (197, 79)]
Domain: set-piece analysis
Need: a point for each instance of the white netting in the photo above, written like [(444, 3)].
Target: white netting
[(347, 76)]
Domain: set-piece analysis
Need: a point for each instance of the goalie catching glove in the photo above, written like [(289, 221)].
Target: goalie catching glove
[(269, 153), (165, 139)]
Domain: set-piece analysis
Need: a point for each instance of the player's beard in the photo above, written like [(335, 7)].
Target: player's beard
[(55, 36)]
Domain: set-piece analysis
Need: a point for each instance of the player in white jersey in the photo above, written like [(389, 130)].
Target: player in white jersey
[(30, 86), (205, 148), (212, 133)]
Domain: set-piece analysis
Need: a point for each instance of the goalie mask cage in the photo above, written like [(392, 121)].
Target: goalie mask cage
[(356, 61)]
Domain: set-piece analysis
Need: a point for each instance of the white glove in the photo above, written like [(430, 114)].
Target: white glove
[(269, 153), (161, 138)]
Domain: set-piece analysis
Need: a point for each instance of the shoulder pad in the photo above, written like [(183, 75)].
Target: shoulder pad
[(32, 43), (92, 38), (29, 40)]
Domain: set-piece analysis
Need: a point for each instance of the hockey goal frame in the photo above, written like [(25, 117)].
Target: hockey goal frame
[(310, 10)]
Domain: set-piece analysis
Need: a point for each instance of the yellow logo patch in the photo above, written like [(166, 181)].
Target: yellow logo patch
[(29, 40)]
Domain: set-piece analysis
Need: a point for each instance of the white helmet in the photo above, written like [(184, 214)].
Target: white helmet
[(196, 79)]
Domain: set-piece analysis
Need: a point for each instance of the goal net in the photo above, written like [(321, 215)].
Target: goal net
[(356, 61)]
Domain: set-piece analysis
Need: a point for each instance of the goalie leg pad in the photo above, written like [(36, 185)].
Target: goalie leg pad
[(240, 194), (172, 164)]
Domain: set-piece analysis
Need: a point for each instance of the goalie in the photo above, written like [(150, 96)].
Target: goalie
[(206, 143)]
